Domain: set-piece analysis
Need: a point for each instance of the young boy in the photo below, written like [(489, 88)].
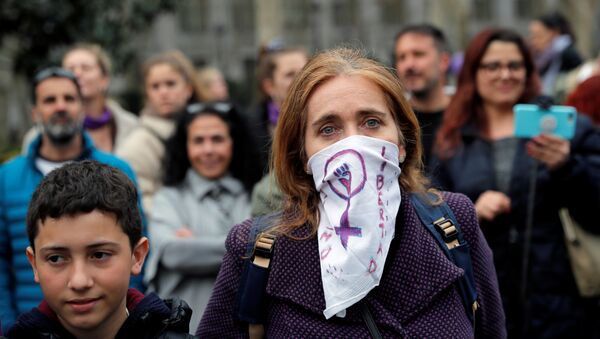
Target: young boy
[(85, 235)]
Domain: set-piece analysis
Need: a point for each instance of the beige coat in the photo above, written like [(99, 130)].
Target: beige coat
[(144, 150)]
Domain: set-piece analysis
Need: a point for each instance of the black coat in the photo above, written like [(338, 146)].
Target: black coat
[(569, 60), (150, 318), (555, 309)]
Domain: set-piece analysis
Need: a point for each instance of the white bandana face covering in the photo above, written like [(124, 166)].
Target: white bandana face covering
[(357, 179)]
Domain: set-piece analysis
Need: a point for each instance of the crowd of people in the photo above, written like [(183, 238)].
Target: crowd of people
[(330, 166)]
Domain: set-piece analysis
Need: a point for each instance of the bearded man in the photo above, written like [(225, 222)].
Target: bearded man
[(58, 111), (422, 59)]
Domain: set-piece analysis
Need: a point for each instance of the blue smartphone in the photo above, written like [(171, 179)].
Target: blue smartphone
[(532, 120)]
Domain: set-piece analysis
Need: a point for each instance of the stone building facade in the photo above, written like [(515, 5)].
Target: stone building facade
[(228, 33)]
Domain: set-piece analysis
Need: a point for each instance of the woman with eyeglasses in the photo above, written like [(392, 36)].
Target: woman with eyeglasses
[(480, 156), (170, 84), (207, 181)]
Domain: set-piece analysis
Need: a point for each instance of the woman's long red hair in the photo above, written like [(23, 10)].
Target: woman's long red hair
[(466, 105)]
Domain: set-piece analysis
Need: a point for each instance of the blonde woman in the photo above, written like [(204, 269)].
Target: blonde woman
[(170, 84)]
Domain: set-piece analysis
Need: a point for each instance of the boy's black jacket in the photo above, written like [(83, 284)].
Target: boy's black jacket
[(149, 317)]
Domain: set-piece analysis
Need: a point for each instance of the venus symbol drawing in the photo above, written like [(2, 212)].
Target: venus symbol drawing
[(349, 178)]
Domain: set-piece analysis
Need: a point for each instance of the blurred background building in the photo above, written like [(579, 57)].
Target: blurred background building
[(227, 34)]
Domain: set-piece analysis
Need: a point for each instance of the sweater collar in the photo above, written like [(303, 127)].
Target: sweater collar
[(163, 127), (201, 187), (34, 148)]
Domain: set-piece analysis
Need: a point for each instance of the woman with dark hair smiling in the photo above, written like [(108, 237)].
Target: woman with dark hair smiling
[(480, 157), (205, 192)]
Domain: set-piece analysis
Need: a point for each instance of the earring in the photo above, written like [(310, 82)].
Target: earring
[(401, 158)]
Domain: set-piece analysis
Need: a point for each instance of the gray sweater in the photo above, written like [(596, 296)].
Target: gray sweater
[(187, 267)]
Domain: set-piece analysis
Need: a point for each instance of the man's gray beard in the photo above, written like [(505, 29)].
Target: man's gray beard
[(61, 134)]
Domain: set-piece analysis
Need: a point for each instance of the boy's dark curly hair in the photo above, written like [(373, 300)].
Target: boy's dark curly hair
[(81, 187)]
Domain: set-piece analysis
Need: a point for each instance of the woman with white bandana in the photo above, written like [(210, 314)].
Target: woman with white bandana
[(346, 154)]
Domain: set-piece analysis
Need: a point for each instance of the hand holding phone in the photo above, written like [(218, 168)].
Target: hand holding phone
[(533, 120), (550, 150)]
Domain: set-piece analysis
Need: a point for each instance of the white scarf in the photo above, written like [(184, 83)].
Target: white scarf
[(357, 178)]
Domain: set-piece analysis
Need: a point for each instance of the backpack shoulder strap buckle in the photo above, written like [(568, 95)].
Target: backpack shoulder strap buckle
[(440, 222), (263, 250), (448, 231)]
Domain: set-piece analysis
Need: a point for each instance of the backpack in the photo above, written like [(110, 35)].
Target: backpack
[(437, 219)]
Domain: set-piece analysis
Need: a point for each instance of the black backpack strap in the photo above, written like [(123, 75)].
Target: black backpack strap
[(251, 296), (445, 229), (368, 319)]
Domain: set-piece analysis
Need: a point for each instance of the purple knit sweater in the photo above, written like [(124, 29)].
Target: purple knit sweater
[(417, 296)]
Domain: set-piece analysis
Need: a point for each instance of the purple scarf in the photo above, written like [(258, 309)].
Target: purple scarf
[(273, 113), (92, 123)]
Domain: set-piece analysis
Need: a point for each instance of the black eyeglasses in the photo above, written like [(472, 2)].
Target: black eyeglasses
[(495, 68), (218, 107)]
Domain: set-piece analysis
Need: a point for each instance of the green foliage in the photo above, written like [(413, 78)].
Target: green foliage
[(8, 152), (42, 27)]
